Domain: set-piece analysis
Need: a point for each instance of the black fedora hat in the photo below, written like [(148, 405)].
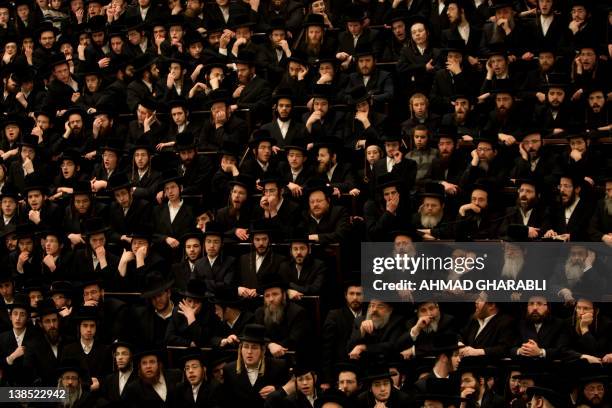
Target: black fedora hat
[(194, 353), (455, 45), (121, 343), (192, 37), (82, 187), (283, 93), (299, 235), (20, 301), (318, 184), (25, 231), (118, 181), (94, 225), (435, 190), (261, 226), (143, 62), (9, 190), (169, 176), (213, 228), (358, 94), (332, 396), (498, 4), (155, 283), (553, 397), (243, 180), (313, 19), (61, 287), (141, 232), (192, 234), (300, 57), (184, 141), (442, 343), (254, 333), (83, 313), (113, 145), (227, 297), (229, 148), (354, 13), (297, 144), (245, 57), (240, 20), (322, 91), (219, 95), (149, 350), (74, 110), (363, 49), (46, 26), (273, 177), (176, 20), (29, 141), (261, 135), (195, 289), (379, 371), (46, 307), (271, 280), (71, 364), (388, 180), (72, 155)]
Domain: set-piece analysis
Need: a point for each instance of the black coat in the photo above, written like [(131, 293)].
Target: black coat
[(578, 224), (334, 226), (208, 395), (552, 337), (405, 171), (23, 371), (98, 362), (222, 330), (138, 215), (220, 275), (601, 222), (256, 96), (148, 327), (379, 86), (109, 388), (346, 44), (498, 336), (294, 332), (424, 341), (247, 276), (138, 393), (336, 332), (179, 333), (137, 91), (237, 389), (164, 228), (311, 278), (294, 134), (48, 362), (382, 340), (234, 130), (539, 218), (196, 176), (284, 221)]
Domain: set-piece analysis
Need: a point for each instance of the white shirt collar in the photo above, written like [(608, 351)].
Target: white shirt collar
[(19, 338), (330, 173)]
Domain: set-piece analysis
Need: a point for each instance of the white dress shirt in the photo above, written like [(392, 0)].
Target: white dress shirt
[(483, 323), (174, 210), (570, 210), (160, 388), (123, 379), (283, 126)]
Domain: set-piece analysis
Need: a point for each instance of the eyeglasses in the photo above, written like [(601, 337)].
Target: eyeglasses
[(483, 149)]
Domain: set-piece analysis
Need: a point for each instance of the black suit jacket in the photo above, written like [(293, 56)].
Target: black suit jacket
[(294, 133), (138, 393), (137, 216), (286, 219), (217, 276), (222, 330), (179, 333), (208, 395), (196, 178), (381, 341), (109, 387), (294, 332), (247, 276), (551, 337), (183, 222), (98, 362), (333, 227), (234, 130), (601, 222), (137, 91), (497, 337), (23, 371), (336, 332), (256, 96), (424, 341), (346, 44), (48, 362), (311, 279), (578, 224)]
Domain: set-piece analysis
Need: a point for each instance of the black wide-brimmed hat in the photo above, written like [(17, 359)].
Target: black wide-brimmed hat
[(195, 289), (215, 229), (388, 180), (194, 353), (83, 313), (94, 225), (271, 280), (254, 333), (118, 181), (243, 180), (20, 301), (261, 135), (358, 94), (155, 283), (170, 176), (184, 141), (435, 190), (9, 190), (70, 364), (33, 181), (113, 145), (313, 19), (227, 296), (318, 184)]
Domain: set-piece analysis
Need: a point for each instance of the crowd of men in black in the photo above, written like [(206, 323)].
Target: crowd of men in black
[(184, 187)]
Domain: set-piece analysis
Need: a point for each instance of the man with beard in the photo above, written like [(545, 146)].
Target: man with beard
[(284, 128), (146, 84), (18, 345), (461, 28), (126, 212), (72, 379), (151, 321), (287, 324), (432, 219), (597, 112), (181, 122), (382, 216), (489, 333), (378, 83), (253, 92), (365, 124), (355, 34), (233, 219), (191, 242), (506, 29), (395, 162), (323, 222), (250, 379), (600, 228), (196, 170), (569, 222), (397, 21), (553, 113), (146, 128), (589, 68), (214, 268), (505, 121), (541, 335), (594, 392), (297, 77), (579, 272), (155, 385), (262, 161), (63, 90), (303, 273), (534, 87), (322, 122), (75, 135), (276, 50), (337, 330), (377, 332), (339, 175), (51, 348), (477, 220), (260, 261), (475, 389), (113, 385), (222, 126), (527, 211), (485, 164), (447, 168), (581, 158), (428, 324), (535, 161), (379, 388)]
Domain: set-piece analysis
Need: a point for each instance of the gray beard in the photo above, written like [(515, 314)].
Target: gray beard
[(430, 221), (608, 205), (273, 316), (512, 266), (433, 326), (379, 322), (72, 396), (573, 272)]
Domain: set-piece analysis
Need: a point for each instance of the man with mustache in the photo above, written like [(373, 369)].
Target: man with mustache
[(377, 331), (541, 335), (594, 392), (553, 113), (477, 220), (506, 120), (597, 112), (569, 222), (581, 158), (252, 91), (285, 127), (600, 228), (535, 161), (323, 222), (528, 210), (388, 210), (114, 384), (485, 163), (72, 380), (50, 351), (432, 219), (579, 271), (303, 272), (337, 329), (339, 175), (286, 323), (196, 390)]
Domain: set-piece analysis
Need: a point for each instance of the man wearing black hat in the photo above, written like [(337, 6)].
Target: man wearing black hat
[(276, 50), (475, 390), (426, 330), (57, 257), (570, 219), (486, 163), (379, 389), (19, 344), (433, 215), (139, 261), (545, 398), (24, 262), (528, 210), (383, 216), (356, 33), (321, 121), (507, 29), (113, 385), (192, 243), (28, 162), (73, 380), (231, 310), (597, 115), (146, 128), (286, 129), (40, 211), (253, 92), (9, 197), (554, 113), (214, 268), (155, 385), (303, 273), (323, 222), (196, 390), (331, 170), (76, 134), (181, 122), (222, 126), (126, 212), (112, 153), (51, 347), (535, 161), (600, 228), (146, 83), (63, 90), (507, 119), (195, 169), (297, 77), (287, 324), (254, 375)]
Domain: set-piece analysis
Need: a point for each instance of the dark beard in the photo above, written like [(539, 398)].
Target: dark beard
[(150, 381), (608, 205), (535, 318), (323, 168), (53, 336), (313, 48)]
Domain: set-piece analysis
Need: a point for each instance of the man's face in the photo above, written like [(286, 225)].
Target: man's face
[(172, 190), (453, 13), (503, 12), (75, 122), (176, 69), (7, 290), (109, 159), (567, 191), (25, 244), (299, 252), (142, 113), (261, 242), (27, 153), (123, 357), (87, 330), (82, 203), (70, 380), (277, 36), (141, 158), (390, 193), (263, 152), (149, 367), (251, 352), (176, 33), (92, 293), (354, 27), (595, 392), (19, 318), (160, 301), (306, 383), (420, 139), (8, 206), (193, 249), (365, 65), (588, 57), (62, 73), (47, 40), (429, 309), (238, 196), (35, 297), (503, 102), (35, 199), (446, 146), (480, 198), (12, 87), (546, 60), (318, 204), (187, 156), (321, 105), (381, 389), (579, 13), (179, 116), (98, 38), (50, 325), (12, 132), (52, 245), (295, 158), (399, 30), (419, 107), (123, 197), (596, 101), (295, 68), (354, 297), (325, 158), (555, 97), (347, 382), (116, 44), (194, 371), (546, 7), (578, 143), (454, 57), (532, 144), (138, 243), (68, 168), (527, 196), (245, 73), (537, 309), (499, 64), (485, 151), (274, 297), (469, 381), (481, 310), (326, 68), (212, 245)]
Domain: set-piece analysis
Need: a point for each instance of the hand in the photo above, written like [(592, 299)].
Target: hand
[(422, 323), (28, 166), (90, 303), (302, 74), (523, 152), (367, 327), (574, 26), (585, 321), (527, 56), (34, 216), (225, 39), (392, 204), (277, 350), (550, 234), (65, 312), (363, 118), (49, 261), (449, 188), (508, 140), (326, 78), (100, 253), (75, 239), (314, 116), (607, 239), (19, 352), (149, 120), (467, 391), (356, 351), (296, 190), (467, 207), (475, 158), (75, 97), (541, 96), (79, 14), (530, 349), (454, 67), (187, 311), (104, 62), (268, 389), (313, 237), (342, 56), (141, 253), (294, 294), (242, 234), (231, 339), (471, 352), (246, 292), (336, 192), (407, 354), (238, 91), (220, 118), (21, 99), (503, 23), (170, 80), (172, 242), (533, 232), (354, 192), (127, 256), (607, 358), (591, 359), (430, 66)]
